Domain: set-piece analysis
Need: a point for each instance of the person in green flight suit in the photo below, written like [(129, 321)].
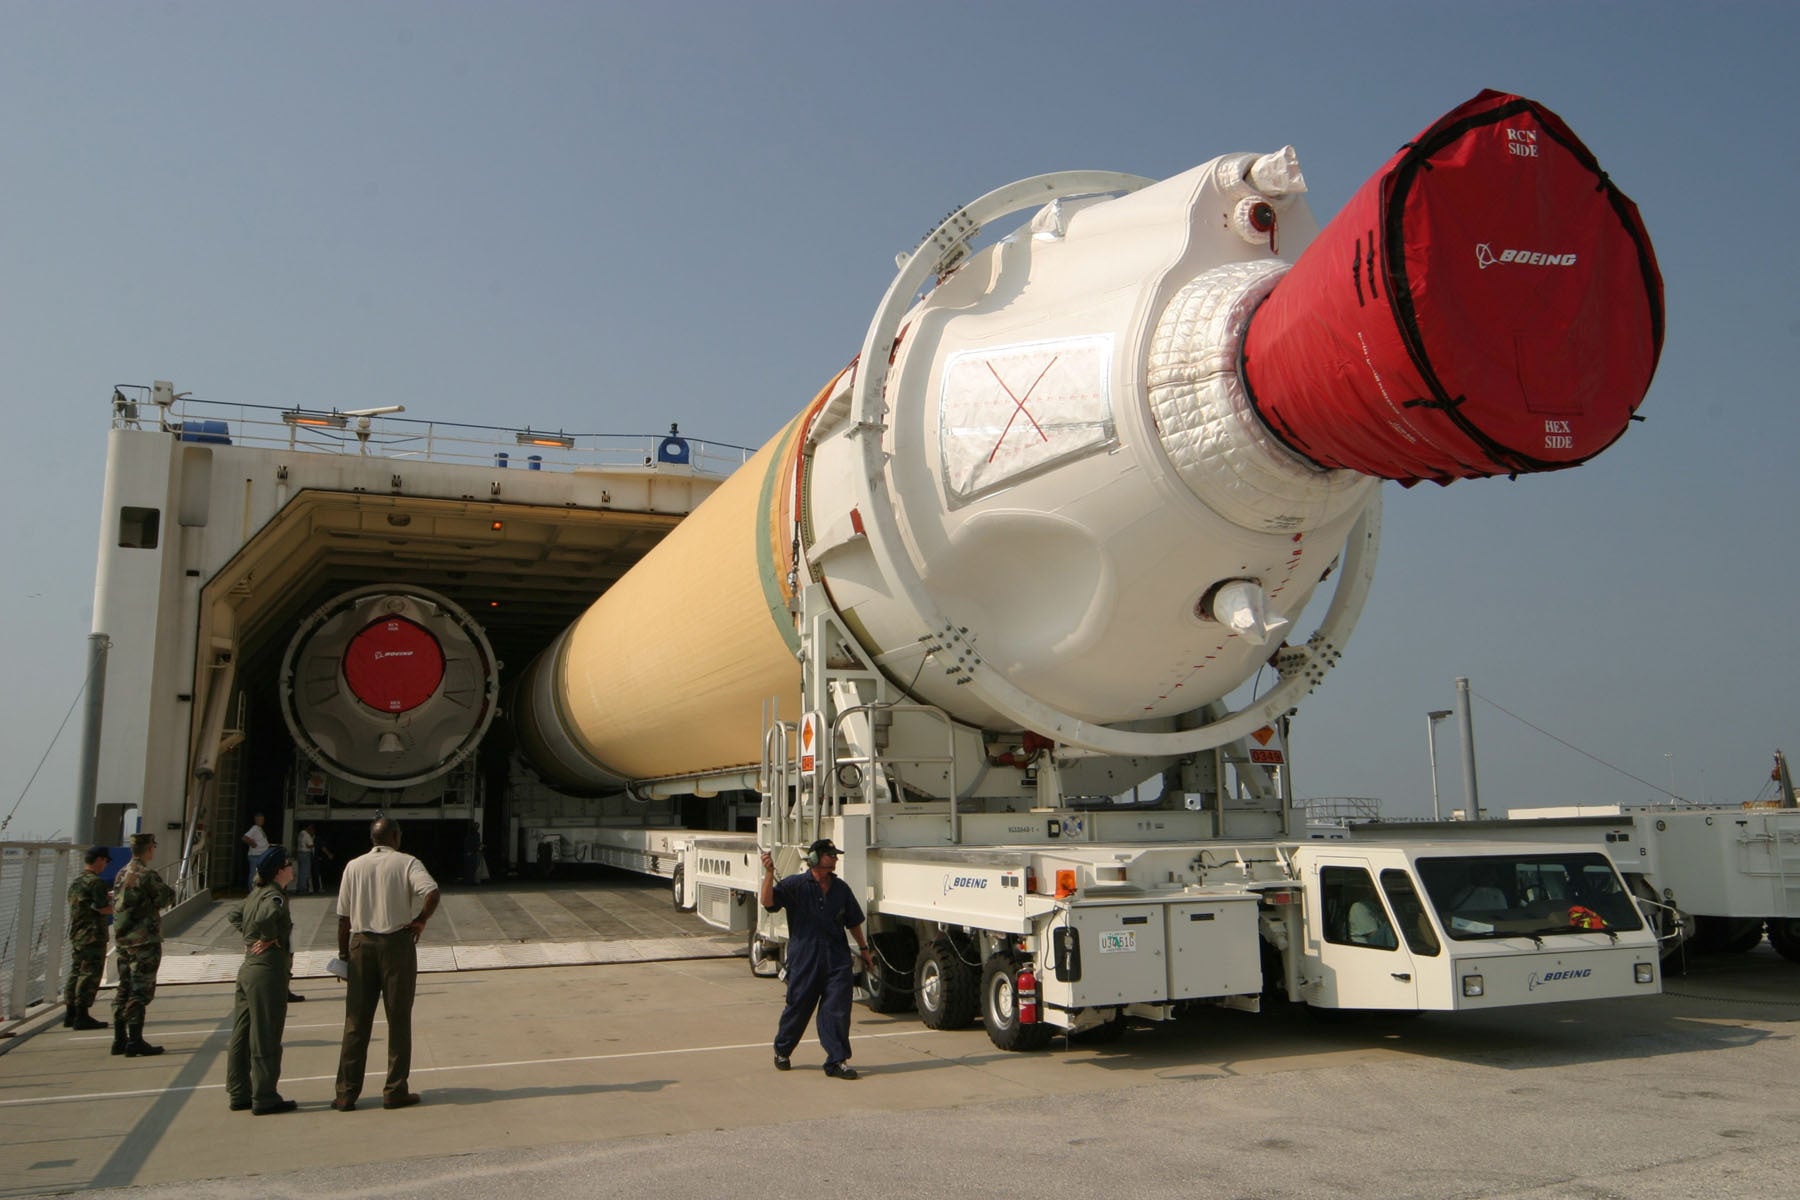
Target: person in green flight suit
[(139, 896), (89, 906), (253, 1063)]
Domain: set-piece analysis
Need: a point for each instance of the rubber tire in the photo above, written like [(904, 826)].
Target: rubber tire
[(1000, 1009), (891, 991), (944, 987), (1274, 977), (757, 951), (1727, 935), (677, 881), (1785, 937)]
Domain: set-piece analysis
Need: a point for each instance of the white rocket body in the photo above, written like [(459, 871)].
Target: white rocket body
[(1075, 477)]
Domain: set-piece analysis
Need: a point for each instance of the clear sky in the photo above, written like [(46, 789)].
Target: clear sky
[(606, 216)]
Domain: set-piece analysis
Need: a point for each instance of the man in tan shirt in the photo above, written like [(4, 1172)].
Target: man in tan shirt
[(384, 900)]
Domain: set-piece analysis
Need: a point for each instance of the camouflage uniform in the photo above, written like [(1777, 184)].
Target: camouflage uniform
[(139, 896), (253, 1062), (87, 939)]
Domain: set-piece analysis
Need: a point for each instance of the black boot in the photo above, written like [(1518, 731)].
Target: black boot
[(118, 1034), (135, 1045), (68, 1016), (85, 1020)]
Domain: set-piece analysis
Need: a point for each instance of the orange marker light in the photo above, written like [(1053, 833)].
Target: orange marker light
[(1065, 882)]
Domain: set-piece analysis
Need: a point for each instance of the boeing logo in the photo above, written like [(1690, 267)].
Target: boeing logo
[(381, 654), (952, 882), (1548, 977), (1485, 258)]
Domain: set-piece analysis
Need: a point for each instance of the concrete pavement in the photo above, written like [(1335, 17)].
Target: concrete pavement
[(654, 1077)]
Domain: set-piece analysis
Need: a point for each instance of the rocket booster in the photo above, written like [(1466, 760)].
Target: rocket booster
[(1084, 485), (389, 686)]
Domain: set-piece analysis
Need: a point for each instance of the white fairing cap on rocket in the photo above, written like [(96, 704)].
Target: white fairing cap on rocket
[(1085, 484)]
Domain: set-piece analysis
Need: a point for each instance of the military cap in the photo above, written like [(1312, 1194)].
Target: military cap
[(271, 861)]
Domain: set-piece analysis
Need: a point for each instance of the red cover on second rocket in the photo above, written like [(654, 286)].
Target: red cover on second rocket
[(1487, 304), (393, 665)]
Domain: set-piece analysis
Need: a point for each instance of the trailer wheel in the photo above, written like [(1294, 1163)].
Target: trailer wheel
[(676, 882), (944, 987), (1785, 937), (766, 958), (890, 983), (1727, 935), (1000, 1009)]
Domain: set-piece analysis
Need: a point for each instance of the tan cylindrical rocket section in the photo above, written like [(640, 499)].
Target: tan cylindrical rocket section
[(661, 678)]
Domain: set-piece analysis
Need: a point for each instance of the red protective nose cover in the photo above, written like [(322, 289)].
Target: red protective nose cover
[(393, 665), (1487, 304)]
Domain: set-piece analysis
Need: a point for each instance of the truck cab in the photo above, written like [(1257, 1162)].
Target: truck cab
[(1449, 928)]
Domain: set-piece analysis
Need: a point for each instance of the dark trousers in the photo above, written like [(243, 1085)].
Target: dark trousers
[(815, 981), (384, 967), (253, 1063)]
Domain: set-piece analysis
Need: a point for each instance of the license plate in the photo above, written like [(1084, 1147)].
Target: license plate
[(1118, 942)]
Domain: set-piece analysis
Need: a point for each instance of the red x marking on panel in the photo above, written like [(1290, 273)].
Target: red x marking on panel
[(1019, 403)]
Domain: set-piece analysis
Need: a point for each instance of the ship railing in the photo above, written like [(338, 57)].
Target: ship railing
[(1342, 811), (330, 430), (34, 880)]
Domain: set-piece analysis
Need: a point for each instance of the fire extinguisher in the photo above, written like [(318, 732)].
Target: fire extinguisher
[(1025, 984)]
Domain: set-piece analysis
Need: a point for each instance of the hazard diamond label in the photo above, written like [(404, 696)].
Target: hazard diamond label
[(809, 742)]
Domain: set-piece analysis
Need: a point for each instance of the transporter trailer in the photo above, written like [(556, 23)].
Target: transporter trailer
[(1046, 910)]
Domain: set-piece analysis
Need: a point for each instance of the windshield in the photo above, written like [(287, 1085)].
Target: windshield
[(1527, 895)]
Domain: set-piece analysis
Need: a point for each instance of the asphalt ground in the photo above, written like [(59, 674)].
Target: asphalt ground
[(654, 1078)]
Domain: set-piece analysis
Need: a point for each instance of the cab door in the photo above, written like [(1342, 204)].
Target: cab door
[(1361, 959)]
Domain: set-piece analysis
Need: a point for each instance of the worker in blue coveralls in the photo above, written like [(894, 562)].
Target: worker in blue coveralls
[(820, 907)]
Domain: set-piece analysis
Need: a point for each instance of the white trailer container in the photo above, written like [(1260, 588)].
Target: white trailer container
[(1723, 873)]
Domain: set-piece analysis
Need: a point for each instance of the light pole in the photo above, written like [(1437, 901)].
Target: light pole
[(1431, 723), (1467, 721)]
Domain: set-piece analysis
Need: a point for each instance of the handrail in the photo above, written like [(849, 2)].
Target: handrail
[(777, 777), (873, 760), (25, 931), (328, 431)]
